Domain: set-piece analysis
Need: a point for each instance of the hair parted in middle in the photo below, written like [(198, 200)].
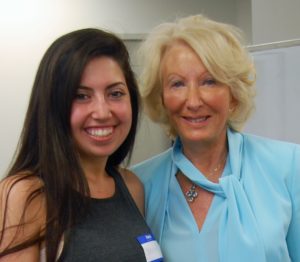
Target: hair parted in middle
[(221, 50), (46, 148)]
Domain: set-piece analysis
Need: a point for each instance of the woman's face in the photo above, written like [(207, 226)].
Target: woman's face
[(101, 112), (197, 105)]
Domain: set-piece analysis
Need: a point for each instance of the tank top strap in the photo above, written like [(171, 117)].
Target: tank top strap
[(121, 186)]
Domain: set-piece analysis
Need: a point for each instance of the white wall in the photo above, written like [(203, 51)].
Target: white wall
[(28, 27), (275, 20), (278, 93), (278, 69), (244, 18)]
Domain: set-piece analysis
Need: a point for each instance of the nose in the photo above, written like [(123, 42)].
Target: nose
[(193, 98), (100, 109)]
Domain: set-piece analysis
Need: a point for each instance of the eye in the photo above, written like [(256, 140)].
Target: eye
[(117, 94), (177, 83), (81, 96), (209, 82)]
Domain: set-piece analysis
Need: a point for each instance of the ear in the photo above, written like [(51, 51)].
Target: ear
[(233, 104)]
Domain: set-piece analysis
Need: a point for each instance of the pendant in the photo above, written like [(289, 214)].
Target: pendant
[(191, 194)]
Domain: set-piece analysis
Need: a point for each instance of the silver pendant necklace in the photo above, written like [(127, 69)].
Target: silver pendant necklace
[(192, 194)]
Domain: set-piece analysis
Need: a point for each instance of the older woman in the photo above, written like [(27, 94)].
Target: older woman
[(217, 194)]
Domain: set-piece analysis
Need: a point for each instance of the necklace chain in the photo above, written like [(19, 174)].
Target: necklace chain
[(192, 194)]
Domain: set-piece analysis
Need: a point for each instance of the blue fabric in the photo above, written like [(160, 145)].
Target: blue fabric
[(182, 230), (256, 207)]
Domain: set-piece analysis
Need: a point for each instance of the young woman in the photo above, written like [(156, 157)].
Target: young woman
[(65, 197)]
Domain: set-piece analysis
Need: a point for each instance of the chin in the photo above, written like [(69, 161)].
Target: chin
[(99, 153), (195, 139)]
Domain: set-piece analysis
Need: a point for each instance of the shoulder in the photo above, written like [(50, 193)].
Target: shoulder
[(279, 158), (134, 186), (130, 179), (154, 165), (16, 189), (270, 147), (254, 145), (22, 204)]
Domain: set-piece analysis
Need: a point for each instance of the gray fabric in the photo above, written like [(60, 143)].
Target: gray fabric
[(109, 231)]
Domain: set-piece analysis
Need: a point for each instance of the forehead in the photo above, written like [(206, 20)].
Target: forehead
[(175, 46), (102, 63), (102, 69), (179, 56)]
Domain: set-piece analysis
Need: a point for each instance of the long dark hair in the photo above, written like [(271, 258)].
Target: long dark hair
[(46, 148)]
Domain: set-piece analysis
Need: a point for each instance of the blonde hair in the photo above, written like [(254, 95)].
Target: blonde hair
[(220, 48)]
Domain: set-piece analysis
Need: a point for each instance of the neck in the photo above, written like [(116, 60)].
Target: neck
[(209, 159), (93, 167), (101, 185)]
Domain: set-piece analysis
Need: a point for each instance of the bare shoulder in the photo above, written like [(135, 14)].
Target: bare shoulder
[(22, 205), (134, 186), (24, 181), (16, 190), (130, 177)]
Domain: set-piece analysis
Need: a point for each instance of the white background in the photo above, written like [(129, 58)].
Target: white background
[(28, 27), (278, 94)]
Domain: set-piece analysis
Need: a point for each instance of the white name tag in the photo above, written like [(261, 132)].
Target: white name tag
[(151, 248)]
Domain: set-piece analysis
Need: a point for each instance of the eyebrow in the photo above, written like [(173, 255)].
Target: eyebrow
[(109, 86), (203, 74)]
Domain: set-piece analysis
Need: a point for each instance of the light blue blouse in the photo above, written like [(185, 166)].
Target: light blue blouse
[(181, 231), (255, 213)]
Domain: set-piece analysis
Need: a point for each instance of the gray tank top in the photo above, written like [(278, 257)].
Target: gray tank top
[(110, 230)]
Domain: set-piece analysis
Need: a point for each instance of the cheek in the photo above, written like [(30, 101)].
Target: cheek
[(75, 117), (125, 113), (172, 101), (220, 101)]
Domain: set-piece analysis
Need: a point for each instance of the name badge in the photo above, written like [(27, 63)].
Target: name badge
[(151, 248)]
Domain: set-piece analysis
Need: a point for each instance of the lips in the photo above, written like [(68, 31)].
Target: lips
[(99, 131), (196, 119)]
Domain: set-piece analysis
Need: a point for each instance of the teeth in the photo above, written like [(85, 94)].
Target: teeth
[(197, 120), (100, 132)]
